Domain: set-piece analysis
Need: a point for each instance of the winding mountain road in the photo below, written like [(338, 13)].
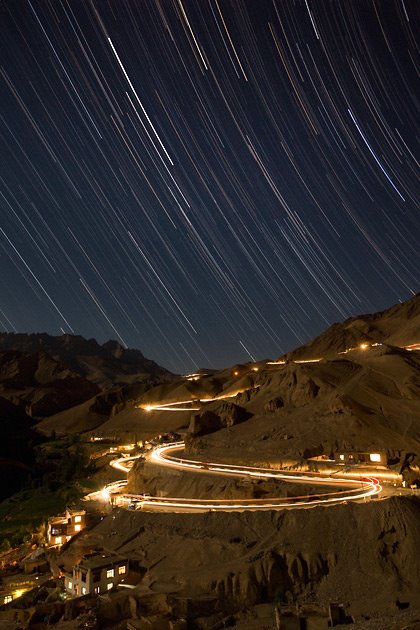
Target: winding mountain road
[(348, 489)]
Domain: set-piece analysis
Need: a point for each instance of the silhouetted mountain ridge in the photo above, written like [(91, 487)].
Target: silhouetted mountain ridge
[(104, 364), (398, 325)]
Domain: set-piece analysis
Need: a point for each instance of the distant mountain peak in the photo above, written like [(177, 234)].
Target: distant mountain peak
[(106, 363)]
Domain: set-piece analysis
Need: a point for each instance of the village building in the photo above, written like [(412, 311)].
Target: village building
[(96, 574), (364, 458), (61, 528), (310, 617)]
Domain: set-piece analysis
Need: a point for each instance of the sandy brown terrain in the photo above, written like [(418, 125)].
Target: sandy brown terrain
[(366, 399), (365, 555), (363, 395), (396, 326)]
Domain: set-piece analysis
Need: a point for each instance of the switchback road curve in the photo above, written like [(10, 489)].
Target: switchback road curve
[(348, 488)]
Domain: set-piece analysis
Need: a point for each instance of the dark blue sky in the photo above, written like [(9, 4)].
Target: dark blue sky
[(206, 180)]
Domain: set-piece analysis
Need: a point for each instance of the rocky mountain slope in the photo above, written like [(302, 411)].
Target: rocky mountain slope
[(69, 384), (363, 394), (41, 383), (104, 364), (364, 555), (354, 388), (396, 326), (63, 385)]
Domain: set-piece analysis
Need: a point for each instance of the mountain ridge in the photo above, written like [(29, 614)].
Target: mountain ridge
[(396, 325), (87, 357)]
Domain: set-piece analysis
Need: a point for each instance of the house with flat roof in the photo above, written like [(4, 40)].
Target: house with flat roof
[(96, 574), (310, 616), (365, 458), (61, 528)]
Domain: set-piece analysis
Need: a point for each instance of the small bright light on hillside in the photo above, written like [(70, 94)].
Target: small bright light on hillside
[(105, 494), (363, 346)]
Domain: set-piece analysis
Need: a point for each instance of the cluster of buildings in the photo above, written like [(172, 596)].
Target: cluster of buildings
[(96, 573)]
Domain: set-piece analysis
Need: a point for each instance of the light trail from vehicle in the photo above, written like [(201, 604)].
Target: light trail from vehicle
[(356, 488), (174, 406), (118, 464), (160, 456), (413, 346), (193, 402)]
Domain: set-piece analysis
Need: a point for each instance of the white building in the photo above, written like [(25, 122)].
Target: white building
[(96, 574)]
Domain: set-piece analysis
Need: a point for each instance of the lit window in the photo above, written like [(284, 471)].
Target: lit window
[(109, 586), (58, 540), (70, 585), (83, 590), (96, 590), (121, 570), (375, 457), (77, 519), (341, 457), (77, 528), (8, 599), (110, 573)]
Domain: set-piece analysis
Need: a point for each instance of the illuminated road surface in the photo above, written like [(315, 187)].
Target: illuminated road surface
[(350, 489)]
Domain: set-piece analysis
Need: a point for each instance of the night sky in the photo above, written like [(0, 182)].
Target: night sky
[(210, 181)]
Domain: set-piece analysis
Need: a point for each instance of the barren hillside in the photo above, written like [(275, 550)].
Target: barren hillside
[(396, 326), (70, 384), (332, 554), (359, 392)]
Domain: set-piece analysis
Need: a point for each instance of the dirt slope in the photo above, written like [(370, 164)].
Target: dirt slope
[(362, 554), (73, 384), (369, 402), (398, 326)]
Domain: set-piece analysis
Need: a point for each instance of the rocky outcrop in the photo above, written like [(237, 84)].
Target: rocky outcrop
[(215, 417), (21, 369), (273, 576), (40, 384), (60, 395), (274, 404)]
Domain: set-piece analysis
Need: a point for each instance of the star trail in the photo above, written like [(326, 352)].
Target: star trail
[(210, 181)]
